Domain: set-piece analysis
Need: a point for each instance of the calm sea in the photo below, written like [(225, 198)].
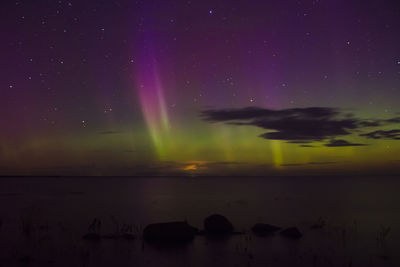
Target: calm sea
[(357, 210)]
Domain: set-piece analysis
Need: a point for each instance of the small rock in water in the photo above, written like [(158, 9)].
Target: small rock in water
[(217, 225), (263, 229), (292, 233)]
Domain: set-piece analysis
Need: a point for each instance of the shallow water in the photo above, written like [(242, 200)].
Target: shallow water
[(60, 210)]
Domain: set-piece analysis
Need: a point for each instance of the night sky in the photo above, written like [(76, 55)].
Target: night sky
[(222, 87)]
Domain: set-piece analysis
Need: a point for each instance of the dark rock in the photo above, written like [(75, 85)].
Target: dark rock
[(169, 232), (217, 225), (292, 233), (262, 229), (92, 237)]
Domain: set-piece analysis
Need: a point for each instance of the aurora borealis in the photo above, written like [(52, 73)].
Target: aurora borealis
[(205, 87)]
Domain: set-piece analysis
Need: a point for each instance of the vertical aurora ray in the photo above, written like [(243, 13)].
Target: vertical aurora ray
[(152, 100), (277, 156)]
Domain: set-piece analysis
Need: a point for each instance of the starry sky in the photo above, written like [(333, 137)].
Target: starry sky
[(222, 87)]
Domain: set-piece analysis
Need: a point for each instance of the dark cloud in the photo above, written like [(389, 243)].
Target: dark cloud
[(298, 125), (394, 120), (370, 123), (299, 142), (225, 163), (308, 163), (342, 143), (292, 164), (304, 125), (382, 134), (377, 123), (322, 162)]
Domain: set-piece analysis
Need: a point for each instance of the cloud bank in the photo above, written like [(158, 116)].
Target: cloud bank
[(303, 125)]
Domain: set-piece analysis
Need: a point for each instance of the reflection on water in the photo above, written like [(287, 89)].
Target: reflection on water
[(60, 210)]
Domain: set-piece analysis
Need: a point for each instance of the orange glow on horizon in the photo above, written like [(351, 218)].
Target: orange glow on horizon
[(191, 167)]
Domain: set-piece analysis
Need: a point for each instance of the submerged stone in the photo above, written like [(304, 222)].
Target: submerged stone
[(292, 233), (217, 225)]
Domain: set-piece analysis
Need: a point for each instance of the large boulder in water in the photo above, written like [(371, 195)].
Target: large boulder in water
[(217, 225), (169, 232), (292, 233), (263, 229)]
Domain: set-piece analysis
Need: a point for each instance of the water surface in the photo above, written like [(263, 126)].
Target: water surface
[(60, 210)]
